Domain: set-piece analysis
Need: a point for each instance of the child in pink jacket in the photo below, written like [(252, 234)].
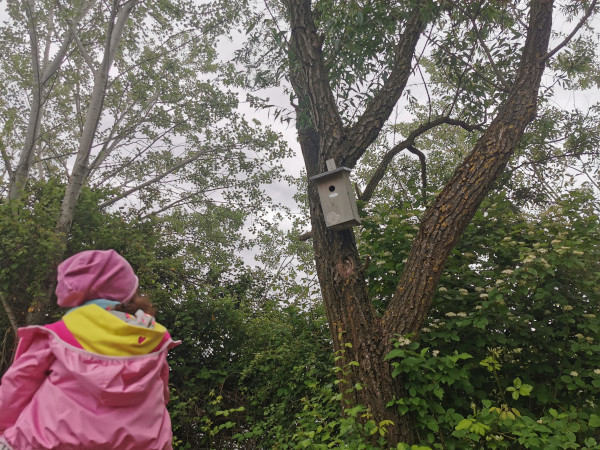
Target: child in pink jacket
[(98, 378)]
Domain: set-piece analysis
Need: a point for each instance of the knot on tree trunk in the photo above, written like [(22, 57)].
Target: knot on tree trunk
[(345, 268)]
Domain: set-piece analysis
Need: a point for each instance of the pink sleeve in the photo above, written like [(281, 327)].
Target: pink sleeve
[(24, 377)]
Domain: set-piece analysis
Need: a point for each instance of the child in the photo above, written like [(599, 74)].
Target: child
[(98, 378)]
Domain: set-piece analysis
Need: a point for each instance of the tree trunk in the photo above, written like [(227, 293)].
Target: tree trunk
[(116, 25), (41, 71), (358, 333)]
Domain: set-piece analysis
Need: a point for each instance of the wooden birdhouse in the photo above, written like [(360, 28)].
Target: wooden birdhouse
[(337, 197)]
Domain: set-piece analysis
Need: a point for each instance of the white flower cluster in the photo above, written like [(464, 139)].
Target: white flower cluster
[(403, 341), (458, 314)]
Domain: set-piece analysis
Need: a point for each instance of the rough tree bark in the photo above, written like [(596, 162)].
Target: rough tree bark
[(352, 318)]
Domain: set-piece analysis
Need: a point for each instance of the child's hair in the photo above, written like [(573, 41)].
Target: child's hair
[(139, 301)]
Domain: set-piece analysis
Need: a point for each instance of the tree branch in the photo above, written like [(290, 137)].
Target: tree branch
[(368, 126), (117, 138), (49, 34), (583, 20), (12, 318), (156, 179), (444, 221), (408, 142), (313, 78), (485, 78), (6, 160), (54, 65), (84, 53), (423, 161), (488, 54), (305, 236), (174, 203), (8, 126)]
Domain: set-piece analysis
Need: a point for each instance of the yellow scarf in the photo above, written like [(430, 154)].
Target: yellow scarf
[(99, 331)]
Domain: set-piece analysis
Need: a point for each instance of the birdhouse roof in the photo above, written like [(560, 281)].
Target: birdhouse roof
[(329, 173)]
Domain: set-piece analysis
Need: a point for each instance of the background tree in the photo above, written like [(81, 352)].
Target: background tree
[(126, 98)]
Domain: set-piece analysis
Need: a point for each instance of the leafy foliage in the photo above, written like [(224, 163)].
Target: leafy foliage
[(509, 353)]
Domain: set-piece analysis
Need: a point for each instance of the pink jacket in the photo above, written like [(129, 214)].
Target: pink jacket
[(57, 395)]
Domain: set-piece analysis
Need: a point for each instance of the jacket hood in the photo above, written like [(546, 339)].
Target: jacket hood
[(111, 380)]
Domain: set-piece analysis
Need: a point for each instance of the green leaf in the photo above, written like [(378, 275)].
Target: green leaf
[(395, 353), (433, 426), (594, 421), (464, 424)]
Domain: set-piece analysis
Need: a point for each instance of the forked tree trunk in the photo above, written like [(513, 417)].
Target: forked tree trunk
[(358, 333), (42, 70)]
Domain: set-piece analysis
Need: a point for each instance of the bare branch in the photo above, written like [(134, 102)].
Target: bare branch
[(12, 318), (6, 160), (488, 54), (423, 161), (84, 53), (408, 142), (583, 20), (156, 179), (305, 236)]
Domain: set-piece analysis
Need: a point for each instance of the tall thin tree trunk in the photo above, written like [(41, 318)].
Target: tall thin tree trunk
[(118, 19), (42, 69)]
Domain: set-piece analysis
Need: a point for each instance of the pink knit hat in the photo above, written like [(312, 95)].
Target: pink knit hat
[(95, 274)]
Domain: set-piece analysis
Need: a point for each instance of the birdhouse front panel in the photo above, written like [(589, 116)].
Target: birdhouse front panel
[(337, 198)]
